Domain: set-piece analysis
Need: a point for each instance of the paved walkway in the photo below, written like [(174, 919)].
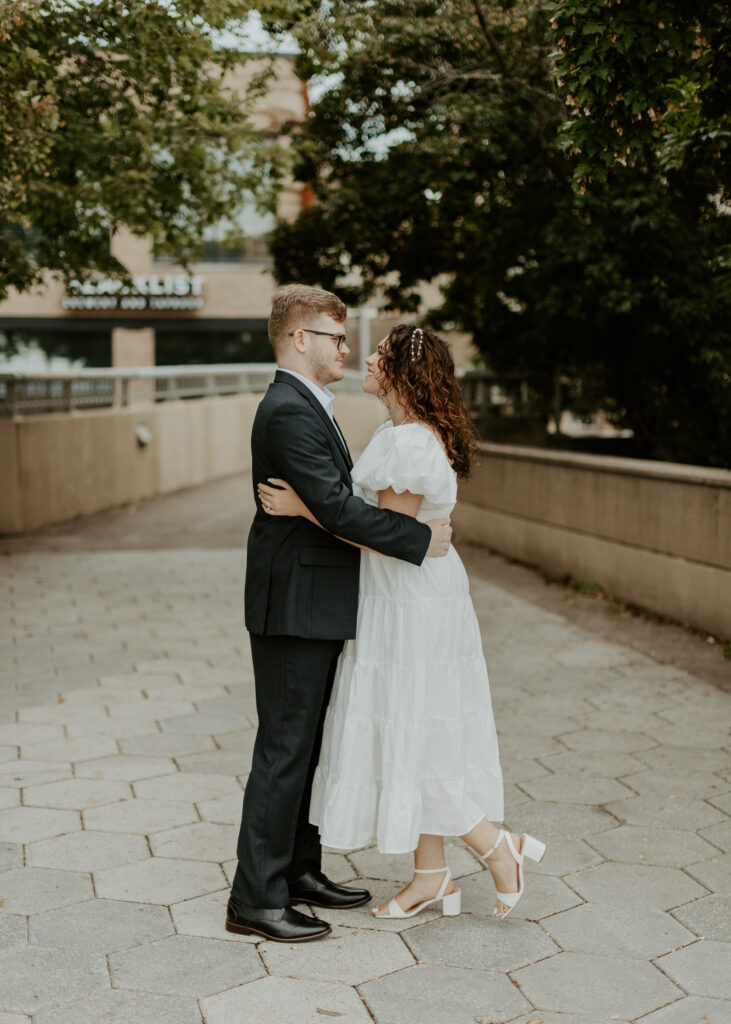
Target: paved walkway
[(126, 724)]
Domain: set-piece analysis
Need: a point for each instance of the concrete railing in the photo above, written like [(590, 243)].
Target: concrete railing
[(656, 534), (56, 465), (27, 394)]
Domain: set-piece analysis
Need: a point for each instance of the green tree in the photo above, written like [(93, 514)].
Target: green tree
[(647, 84), (438, 150), (116, 113)]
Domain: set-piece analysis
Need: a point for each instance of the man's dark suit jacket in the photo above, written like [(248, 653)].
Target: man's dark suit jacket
[(300, 579)]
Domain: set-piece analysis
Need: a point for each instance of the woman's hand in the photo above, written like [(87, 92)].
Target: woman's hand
[(279, 499)]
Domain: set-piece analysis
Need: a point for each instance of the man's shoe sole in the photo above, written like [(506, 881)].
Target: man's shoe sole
[(294, 900), (241, 929)]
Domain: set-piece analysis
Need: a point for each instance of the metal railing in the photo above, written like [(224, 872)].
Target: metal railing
[(28, 394)]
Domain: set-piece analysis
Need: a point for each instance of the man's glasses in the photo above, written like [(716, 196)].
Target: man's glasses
[(336, 339)]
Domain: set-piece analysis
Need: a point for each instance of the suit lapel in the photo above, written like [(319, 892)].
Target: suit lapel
[(287, 378)]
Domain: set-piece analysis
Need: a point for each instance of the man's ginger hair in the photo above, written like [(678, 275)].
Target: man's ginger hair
[(292, 304)]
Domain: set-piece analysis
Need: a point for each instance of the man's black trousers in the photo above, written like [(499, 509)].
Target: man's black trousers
[(277, 843)]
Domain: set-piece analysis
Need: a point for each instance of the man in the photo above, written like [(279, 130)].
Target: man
[(301, 605)]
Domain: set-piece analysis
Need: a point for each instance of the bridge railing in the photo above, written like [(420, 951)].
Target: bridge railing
[(28, 394)]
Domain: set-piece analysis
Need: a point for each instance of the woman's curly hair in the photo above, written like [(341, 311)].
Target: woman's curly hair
[(423, 377)]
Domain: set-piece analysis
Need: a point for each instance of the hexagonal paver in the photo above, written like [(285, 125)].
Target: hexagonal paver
[(101, 925), (723, 802), (669, 783), (124, 1007), (691, 1010), (187, 786), (35, 978), (601, 986), (617, 930), (597, 764), (680, 757), (698, 739), (159, 880), (33, 890), (152, 708), (597, 654), (142, 816), (11, 856), (564, 854), (69, 751), (709, 918), (87, 851), (202, 841), (283, 999), (337, 867), (166, 744), (26, 772), (554, 819), (224, 810), (9, 798), (17, 733), (719, 835), (242, 741), (125, 767), (349, 956), (544, 895), (673, 848), (173, 666), (13, 931), (714, 874), (666, 812), (206, 722), (216, 762), (472, 941), (617, 720), (589, 740), (579, 790), (637, 884), (62, 713), (556, 1018), (206, 916), (516, 770), (185, 965), (111, 727), (702, 969), (442, 995), (513, 745), (397, 867)]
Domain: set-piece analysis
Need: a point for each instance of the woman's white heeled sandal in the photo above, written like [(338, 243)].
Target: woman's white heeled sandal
[(530, 847), (451, 903)]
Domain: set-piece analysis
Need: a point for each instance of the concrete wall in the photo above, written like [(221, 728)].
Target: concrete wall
[(57, 466), (655, 534)]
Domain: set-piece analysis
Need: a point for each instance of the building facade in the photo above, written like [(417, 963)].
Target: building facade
[(216, 311)]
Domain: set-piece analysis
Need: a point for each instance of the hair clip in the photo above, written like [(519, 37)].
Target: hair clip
[(417, 342)]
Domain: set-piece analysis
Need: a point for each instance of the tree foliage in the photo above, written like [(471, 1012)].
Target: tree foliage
[(441, 149), (117, 113), (647, 84)]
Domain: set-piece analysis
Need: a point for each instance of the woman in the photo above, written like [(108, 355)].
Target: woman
[(409, 752)]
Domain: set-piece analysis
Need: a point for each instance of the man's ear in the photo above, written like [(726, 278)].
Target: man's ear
[(299, 341)]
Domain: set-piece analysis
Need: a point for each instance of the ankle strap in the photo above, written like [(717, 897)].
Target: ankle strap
[(430, 871), (501, 836)]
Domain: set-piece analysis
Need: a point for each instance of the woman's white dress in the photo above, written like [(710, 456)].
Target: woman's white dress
[(409, 743)]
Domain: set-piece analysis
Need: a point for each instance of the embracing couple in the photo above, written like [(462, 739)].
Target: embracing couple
[(375, 719)]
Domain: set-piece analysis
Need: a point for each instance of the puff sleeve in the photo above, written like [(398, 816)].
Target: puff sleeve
[(407, 458)]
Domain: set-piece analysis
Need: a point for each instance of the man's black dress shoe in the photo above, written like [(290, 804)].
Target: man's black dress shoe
[(281, 924), (314, 888)]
